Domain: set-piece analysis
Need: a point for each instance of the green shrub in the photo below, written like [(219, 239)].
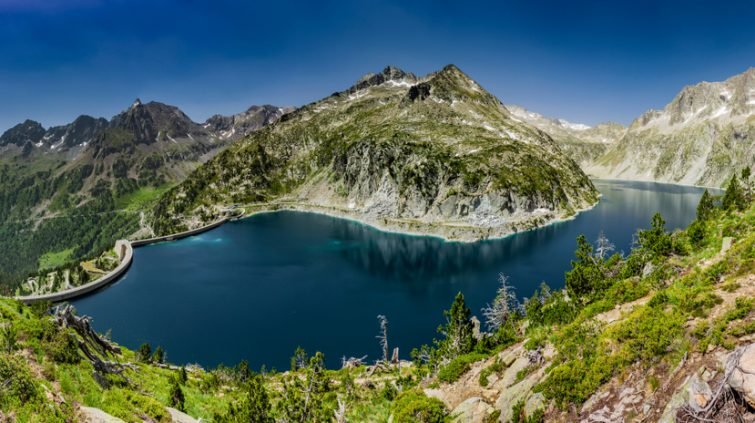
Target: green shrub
[(649, 334), (452, 371), (416, 407), (64, 348), (496, 367), (519, 416), (19, 387)]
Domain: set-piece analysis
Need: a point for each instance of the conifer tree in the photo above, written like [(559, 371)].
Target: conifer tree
[(459, 329), (254, 406), (585, 277), (177, 398), (734, 196), (656, 241), (145, 352), (159, 355), (705, 207), (302, 398)]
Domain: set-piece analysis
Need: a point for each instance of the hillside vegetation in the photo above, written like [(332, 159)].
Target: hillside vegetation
[(434, 155), (633, 337)]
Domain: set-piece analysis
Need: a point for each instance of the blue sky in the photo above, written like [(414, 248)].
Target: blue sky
[(586, 61)]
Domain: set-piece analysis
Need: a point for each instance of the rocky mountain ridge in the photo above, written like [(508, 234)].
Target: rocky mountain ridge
[(110, 171), (437, 155), (701, 137), (581, 142)]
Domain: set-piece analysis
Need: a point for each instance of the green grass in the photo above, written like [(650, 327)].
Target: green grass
[(141, 198), (55, 259)]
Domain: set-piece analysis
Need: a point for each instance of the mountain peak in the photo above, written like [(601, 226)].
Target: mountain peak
[(28, 130), (136, 103), (389, 73), (451, 84)]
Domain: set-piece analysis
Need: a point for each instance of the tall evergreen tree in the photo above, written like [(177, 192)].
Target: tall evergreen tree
[(705, 207), (145, 353), (254, 406), (177, 398), (159, 355), (585, 277), (302, 398), (656, 241), (734, 196), (459, 329)]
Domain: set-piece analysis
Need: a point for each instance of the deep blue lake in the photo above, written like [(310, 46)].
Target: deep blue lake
[(258, 288)]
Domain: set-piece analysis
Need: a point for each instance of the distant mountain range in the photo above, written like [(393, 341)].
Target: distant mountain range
[(582, 142), (704, 135), (100, 168)]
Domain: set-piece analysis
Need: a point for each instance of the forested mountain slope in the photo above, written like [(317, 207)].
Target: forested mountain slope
[(69, 191)]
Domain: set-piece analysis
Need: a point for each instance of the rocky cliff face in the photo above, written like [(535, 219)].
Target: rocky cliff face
[(241, 124), (704, 135), (435, 155), (581, 142)]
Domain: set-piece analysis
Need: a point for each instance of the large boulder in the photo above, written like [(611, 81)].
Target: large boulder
[(742, 378), (472, 410)]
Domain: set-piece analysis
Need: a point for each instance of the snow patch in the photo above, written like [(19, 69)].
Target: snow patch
[(401, 83), (574, 126), (720, 112)]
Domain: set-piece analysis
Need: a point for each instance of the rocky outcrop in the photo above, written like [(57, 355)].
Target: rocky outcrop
[(742, 379)]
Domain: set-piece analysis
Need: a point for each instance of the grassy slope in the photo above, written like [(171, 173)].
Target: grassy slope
[(695, 301)]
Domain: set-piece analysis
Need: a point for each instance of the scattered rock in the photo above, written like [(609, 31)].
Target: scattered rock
[(647, 270), (726, 244), (476, 333), (677, 400), (534, 402), (472, 410), (180, 416), (517, 392), (699, 393), (742, 378), (95, 415)]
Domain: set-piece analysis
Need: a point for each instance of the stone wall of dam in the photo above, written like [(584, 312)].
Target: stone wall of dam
[(125, 251)]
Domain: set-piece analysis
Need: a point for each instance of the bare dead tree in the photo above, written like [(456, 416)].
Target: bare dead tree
[(351, 362), (504, 305), (383, 336), (603, 247), (340, 413)]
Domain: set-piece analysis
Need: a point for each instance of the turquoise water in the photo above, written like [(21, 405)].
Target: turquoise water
[(258, 288)]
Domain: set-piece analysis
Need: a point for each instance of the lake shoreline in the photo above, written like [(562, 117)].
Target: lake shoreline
[(396, 229)]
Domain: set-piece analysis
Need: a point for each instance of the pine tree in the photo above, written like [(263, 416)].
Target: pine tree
[(177, 398), (656, 241), (254, 406), (504, 306), (182, 376), (159, 355), (734, 196), (585, 277), (302, 399), (145, 353), (459, 329), (705, 207)]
